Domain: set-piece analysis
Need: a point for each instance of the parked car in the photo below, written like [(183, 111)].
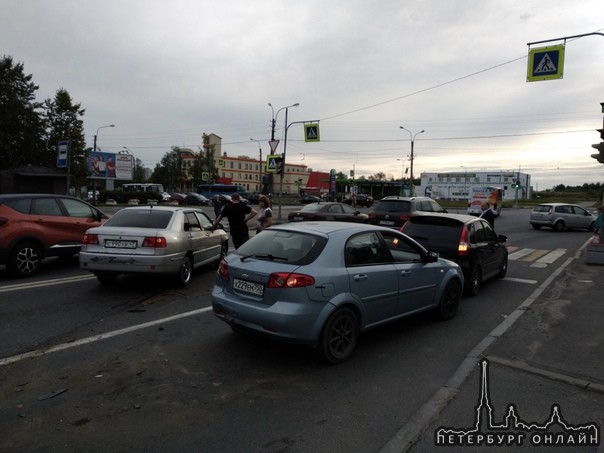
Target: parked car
[(177, 197), (323, 283), (170, 240), (465, 239), (196, 199), (395, 211), (561, 216), (310, 199), (35, 226), (361, 199), (327, 211)]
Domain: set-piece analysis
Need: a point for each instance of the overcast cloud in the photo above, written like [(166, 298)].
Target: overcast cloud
[(166, 72)]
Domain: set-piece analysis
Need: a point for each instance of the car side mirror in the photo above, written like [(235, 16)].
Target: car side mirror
[(502, 238), (431, 257)]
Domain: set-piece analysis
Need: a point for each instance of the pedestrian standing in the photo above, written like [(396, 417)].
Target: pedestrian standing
[(265, 214), (217, 205), (487, 213), (238, 214)]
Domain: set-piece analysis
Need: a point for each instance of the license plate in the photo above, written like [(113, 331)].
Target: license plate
[(297, 217), (111, 243), (248, 287), (386, 222)]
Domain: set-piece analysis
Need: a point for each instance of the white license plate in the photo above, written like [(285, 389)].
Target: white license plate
[(111, 243), (386, 222), (248, 287)]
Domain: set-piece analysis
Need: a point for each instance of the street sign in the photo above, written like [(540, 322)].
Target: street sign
[(311, 133), (273, 144), (62, 152), (272, 163), (545, 63)]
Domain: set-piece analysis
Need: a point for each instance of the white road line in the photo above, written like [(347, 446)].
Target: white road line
[(102, 336), (520, 280), (58, 281), (520, 253)]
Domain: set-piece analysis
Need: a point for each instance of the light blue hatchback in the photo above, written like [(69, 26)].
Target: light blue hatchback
[(322, 283)]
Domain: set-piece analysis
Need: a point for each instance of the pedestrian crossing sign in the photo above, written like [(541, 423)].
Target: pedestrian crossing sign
[(545, 63), (311, 132), (273, 163)]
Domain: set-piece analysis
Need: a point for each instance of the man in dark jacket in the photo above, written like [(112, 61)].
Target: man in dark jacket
[(238, 214), (487, 213)]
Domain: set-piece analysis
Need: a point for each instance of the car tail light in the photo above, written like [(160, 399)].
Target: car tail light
[(289, 280), (90, 239), (223, 269), (3, 220), (463, 248), (155, 242), (371, 215)]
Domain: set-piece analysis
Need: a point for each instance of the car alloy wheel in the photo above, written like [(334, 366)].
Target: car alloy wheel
[(25, 260), (339, 337), (185, 272)]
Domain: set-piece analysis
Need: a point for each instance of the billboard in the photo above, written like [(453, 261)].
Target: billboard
[(110, 165)]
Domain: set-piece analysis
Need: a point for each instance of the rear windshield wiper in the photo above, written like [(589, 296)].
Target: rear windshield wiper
[(264, 256)]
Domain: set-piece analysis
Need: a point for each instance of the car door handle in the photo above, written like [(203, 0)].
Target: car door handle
[(360, 277), (405, 273)]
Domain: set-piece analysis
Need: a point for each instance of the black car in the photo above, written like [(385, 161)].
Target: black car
[(193, 198), (394, 211), (361, 199), (306, 199), (327, 211), (467, 240)]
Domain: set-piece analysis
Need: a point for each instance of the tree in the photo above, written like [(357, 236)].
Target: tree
[(21, 121), (169, 171), (63, 122)]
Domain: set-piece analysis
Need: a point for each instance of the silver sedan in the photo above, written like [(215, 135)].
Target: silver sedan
[(169, 240)]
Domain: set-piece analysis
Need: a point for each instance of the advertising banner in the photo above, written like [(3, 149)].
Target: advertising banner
[(110, 165)]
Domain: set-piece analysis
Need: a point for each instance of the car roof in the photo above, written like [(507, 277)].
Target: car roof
[(557, 204), (421, 217), (18, 196), (397, 197), (325, 228), (160, 208)]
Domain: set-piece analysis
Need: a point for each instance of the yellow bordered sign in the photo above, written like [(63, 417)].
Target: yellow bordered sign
[(545, 63), (311, 132)]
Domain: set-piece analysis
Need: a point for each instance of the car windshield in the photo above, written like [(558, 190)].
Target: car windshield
[(140, 218), (290, 246), (393, 206), (542, 208), (312, 207)]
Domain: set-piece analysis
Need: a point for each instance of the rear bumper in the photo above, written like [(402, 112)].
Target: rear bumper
[(130, 263)]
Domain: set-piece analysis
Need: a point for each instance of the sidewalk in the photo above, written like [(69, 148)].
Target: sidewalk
[(542, 387)]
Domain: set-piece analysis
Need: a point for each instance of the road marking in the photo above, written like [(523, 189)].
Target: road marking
[(520, 280), (95, 338), (520, 254), (58, 281), (549, 258)]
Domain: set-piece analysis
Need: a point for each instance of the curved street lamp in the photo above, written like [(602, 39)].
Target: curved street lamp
[(275, 115), (97, 133), (411, 187)]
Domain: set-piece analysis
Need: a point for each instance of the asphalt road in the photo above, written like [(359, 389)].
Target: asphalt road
[(145, 366)]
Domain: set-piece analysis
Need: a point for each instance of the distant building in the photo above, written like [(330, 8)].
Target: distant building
[(456, 185)]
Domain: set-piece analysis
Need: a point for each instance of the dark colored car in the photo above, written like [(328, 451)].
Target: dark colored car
[(36, 226), (309, 199), (196, 199), (327, 211), (394, 211), (177, 197), (361, 199), (465, 239)]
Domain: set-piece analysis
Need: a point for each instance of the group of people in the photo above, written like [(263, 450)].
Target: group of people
[(239, 214)]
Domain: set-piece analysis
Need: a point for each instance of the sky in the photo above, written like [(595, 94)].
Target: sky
[(164, 73)]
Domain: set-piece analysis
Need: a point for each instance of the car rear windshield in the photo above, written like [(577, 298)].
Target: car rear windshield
[(143, 218), (393, 206), (435, 234), (290, 247)]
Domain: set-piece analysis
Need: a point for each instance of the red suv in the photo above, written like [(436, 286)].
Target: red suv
[(34, 226)]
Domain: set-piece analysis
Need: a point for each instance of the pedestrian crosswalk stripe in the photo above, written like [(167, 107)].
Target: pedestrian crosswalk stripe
[(539, 257)]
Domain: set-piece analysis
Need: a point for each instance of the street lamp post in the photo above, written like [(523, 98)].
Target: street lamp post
[(411, 158), (259, 165), (402, 175), (275, 115), (94, 150)]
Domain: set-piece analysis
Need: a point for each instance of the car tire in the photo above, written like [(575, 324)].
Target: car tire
[(339, 336), (449, 301), (185, 272), (592, 226), (106, 278), (25, 260), (503, 269), (474, 281), (559, 225)]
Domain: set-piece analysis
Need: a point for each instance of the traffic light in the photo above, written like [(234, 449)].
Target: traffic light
[(599, 156), (279, 162)]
